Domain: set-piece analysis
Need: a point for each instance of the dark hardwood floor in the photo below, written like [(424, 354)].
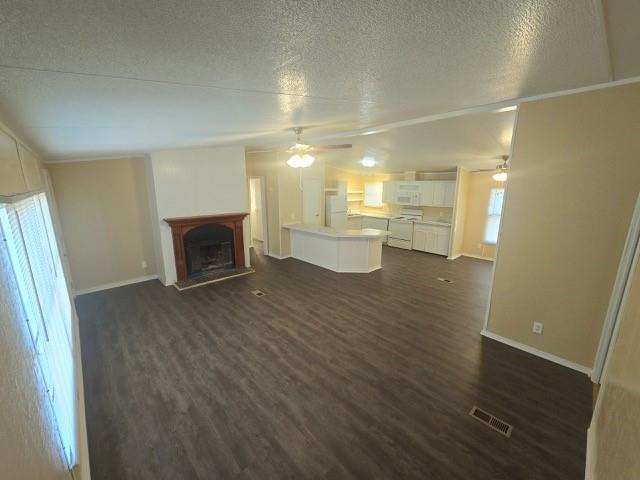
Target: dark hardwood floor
[(328, 376)]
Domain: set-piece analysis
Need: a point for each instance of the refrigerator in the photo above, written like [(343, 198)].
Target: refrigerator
[(336, 211)]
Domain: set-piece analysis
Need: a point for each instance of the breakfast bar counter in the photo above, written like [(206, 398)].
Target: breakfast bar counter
[(348, 250)]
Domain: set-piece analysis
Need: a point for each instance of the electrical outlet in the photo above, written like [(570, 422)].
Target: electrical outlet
[(144, 264), (538, 327)]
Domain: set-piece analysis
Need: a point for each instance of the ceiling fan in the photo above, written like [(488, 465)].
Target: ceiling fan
[(501, 170), (301, 152)]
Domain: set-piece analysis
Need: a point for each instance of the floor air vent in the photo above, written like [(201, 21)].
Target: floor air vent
[(258, 293), (492, 422)]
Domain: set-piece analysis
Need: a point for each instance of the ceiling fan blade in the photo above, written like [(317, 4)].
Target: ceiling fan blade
[(322, 148)]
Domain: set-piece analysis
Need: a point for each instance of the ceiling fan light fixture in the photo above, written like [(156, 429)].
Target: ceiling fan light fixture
[(295, 161), (501, 176), (306, 160), (368, 161)]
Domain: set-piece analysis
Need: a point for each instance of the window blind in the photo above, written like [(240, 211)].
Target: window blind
[(494, 213), (28, 231)]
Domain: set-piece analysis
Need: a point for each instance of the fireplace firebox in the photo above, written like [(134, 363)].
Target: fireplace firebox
[(207, 245)]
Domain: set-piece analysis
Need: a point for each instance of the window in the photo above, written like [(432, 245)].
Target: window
[(28, 232), (493, 216), (373, 194)]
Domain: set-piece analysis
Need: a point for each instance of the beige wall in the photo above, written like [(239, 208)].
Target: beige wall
[(460, 212), (615, 429), (574, 179), (284, 196), (104, 211), (478, 193)]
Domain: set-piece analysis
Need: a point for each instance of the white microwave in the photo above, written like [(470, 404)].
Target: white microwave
[(408, 198)]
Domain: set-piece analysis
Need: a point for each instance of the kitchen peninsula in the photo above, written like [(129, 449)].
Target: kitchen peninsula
[(340, 250)]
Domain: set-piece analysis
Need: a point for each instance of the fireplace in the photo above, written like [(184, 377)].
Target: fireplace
[(207, 246)]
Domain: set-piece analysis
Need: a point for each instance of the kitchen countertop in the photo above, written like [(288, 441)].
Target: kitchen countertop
[(336, 233), (384, 216)]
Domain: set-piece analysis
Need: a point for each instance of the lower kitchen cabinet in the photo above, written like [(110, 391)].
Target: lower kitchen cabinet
[(376, 222), (354, 223), (431, 238)]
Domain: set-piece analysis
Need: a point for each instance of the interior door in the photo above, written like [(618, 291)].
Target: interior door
[(311, 200)]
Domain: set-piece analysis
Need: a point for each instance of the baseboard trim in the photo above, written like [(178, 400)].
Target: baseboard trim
[(538, 353), (279, 257), (454, 257), (479, 257), (108, 286)]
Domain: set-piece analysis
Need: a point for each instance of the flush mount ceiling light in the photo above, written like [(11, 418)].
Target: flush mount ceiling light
[(501, 174), (368, 161), (301, 152)]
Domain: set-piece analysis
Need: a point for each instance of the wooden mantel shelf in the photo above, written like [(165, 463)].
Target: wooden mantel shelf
[(204, 219), (180, 226)]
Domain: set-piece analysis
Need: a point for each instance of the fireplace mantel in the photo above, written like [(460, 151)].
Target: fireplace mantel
[(180, 226)]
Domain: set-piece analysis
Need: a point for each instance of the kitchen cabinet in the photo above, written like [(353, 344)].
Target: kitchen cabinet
[(425, 193), (354, 223), (431, 238), (11, 177), (438, 193), (388, 192), (31, 169)]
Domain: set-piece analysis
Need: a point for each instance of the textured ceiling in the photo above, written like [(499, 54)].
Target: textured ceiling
[(98, 78)]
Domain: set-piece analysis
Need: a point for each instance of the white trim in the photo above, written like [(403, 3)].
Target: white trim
[(614, 309), (108, 286), (279, 257), (455, 257), (505, 204), (590, 457), (132, 156), (471, 255), (539, 353)]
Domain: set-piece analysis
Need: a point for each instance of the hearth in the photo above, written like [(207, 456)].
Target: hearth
[(207, 246)]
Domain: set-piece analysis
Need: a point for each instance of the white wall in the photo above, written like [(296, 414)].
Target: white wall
[(205, 181)]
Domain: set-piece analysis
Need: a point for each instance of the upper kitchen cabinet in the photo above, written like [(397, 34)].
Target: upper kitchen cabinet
[(31, 169), (438, 193), (389, 192), (12, 180), (443, 193), (423, 193)]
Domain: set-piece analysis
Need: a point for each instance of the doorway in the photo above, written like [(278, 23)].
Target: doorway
[(312, 201), (258, 215)]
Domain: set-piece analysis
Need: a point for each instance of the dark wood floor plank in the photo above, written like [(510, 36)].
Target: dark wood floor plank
[(328, 376)]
